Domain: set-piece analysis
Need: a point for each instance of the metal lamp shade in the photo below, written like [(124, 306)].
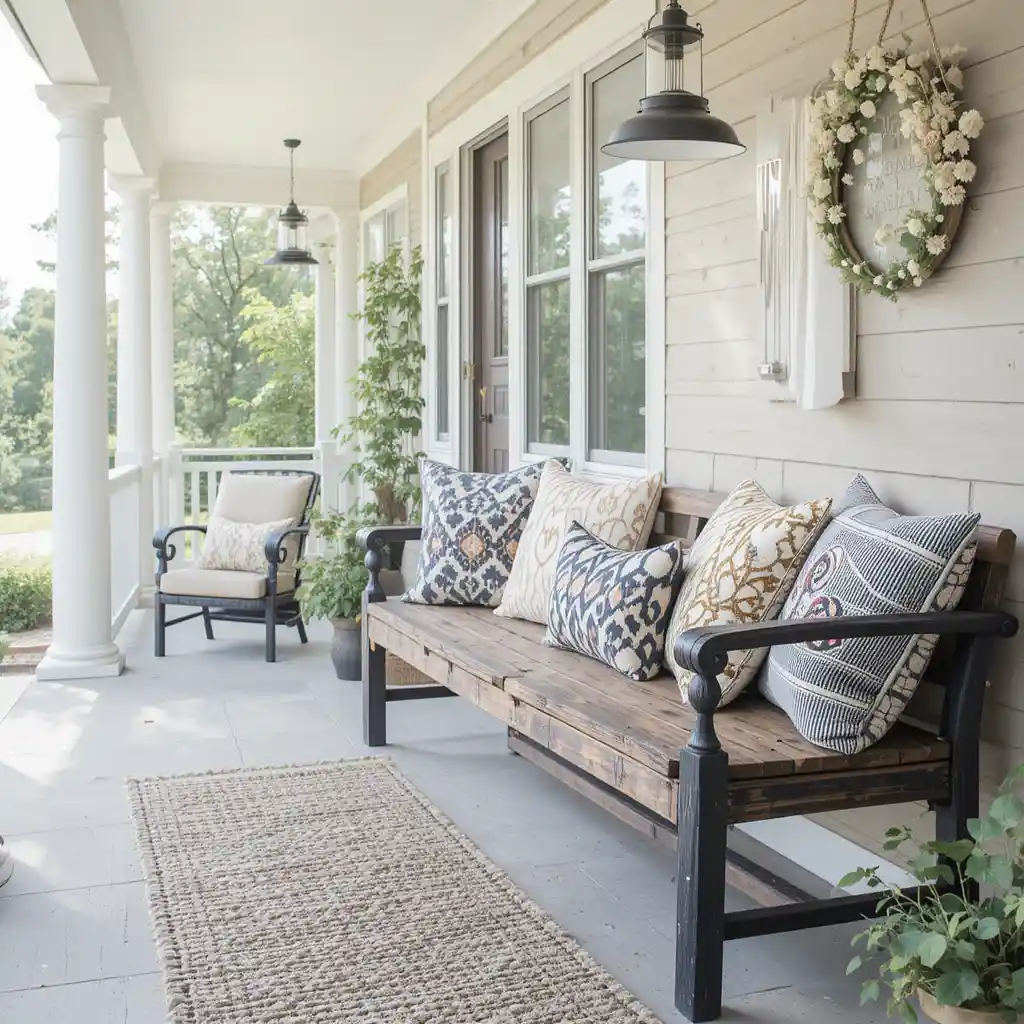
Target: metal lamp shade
[(673, 126)]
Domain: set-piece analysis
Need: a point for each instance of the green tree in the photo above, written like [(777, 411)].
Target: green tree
[(282, 339)]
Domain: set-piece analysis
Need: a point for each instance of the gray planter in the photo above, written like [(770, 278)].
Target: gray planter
[(346, 650)]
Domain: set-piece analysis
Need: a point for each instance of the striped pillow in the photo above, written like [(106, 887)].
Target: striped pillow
[(847, 694)]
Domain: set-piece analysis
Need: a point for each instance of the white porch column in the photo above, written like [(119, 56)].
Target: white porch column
[(134, 359), (82, 645), (326, 343), (346, 264), (162, 330)]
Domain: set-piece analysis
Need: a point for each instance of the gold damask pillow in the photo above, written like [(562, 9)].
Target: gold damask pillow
[(741, 569), (620, 514), (238, 546)]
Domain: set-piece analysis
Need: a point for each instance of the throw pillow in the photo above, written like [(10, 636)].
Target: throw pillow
[(472, 524), (621, 514), (847, 694), (238, 546), (741, 569), (614, 605)]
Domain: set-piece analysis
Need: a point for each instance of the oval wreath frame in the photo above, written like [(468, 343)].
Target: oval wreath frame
[(940, 132)]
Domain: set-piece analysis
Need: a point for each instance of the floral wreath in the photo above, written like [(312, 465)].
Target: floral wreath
[(940, 134)]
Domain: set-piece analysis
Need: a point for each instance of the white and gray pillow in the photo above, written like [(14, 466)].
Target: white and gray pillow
[(614, 605), (472, 523), (846, 694)]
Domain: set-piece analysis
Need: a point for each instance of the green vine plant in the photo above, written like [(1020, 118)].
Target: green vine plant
[(333, 583), (962, 948), (384, 433)]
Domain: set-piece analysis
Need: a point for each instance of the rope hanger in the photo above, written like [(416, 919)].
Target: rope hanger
[(885, 25)]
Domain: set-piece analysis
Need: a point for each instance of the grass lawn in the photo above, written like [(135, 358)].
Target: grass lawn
[(25, 522)]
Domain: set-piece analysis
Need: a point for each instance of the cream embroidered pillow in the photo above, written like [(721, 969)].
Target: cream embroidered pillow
[(620, 514), (741, 569), (238, 546)]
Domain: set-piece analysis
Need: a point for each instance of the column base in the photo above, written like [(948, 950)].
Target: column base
[(93, 663)]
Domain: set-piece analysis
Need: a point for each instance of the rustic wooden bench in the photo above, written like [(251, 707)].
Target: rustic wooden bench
[(684, 774)]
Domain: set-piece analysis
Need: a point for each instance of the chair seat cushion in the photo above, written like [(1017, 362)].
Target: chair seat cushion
[(222, 583)]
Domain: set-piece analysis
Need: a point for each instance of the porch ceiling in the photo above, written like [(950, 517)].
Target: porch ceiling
[(225, 80)]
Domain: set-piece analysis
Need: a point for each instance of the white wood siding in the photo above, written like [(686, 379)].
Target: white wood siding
[(402, 166), (938, 423)]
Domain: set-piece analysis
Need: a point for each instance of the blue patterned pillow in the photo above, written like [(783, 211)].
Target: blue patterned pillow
[(614, 605), (472, 523), (870, 560)]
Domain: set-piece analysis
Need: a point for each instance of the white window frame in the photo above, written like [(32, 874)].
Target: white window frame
[(442, 437), (611, 29)]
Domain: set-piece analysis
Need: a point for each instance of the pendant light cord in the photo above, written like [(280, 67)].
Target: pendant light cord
[(291, 175), (885, 27)]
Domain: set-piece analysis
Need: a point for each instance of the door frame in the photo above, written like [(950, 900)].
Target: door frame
[(467, 289)]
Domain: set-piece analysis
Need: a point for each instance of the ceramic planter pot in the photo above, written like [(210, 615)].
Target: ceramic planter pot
[(954, 1014), (346, 649)]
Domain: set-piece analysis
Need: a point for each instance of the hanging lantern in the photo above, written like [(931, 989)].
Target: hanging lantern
[(674, 122), (292, 223)]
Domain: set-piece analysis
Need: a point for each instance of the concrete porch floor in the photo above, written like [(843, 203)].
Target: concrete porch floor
[(75, 939)]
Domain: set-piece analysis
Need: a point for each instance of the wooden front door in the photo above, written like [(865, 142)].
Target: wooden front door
[(490, 307)]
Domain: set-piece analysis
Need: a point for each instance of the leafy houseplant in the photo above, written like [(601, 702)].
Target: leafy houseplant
[(960, 952), (387, 391)]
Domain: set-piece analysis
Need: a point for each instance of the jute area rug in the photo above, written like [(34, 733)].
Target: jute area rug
[(337, 893)]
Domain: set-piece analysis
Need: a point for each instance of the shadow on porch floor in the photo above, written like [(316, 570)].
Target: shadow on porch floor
[(75, 941)]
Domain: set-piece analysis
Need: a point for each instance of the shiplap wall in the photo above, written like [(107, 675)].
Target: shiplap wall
[(402, 166), (938, 424)]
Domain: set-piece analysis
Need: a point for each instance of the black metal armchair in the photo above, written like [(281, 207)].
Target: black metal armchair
[(242, 596)]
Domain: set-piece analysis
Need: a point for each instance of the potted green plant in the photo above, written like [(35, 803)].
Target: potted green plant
[(957, 946), (332, 588), (383, 434)]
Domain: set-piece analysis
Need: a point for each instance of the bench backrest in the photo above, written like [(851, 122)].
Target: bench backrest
[(684, 513)]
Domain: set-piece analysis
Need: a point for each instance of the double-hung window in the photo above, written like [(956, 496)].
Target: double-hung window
[(585, 229), (443, 262)]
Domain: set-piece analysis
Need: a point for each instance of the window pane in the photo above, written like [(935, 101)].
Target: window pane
[(501, 334), (374, 240), (547, 363), (620, 186), (617, 360), (395, 224), (549, 189), (442, 370), (444, 231)]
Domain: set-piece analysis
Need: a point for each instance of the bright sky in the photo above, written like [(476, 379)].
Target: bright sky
[(28, 166)]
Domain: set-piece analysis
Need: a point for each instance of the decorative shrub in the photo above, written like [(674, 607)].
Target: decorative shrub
[(26, 597)]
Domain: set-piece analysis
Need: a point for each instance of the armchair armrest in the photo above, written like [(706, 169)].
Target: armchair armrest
[(705, 650), (165, 551), (374, 539), (274, 549)]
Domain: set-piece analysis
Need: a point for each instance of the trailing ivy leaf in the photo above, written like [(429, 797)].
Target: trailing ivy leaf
[(853, 877), (986, 928), (957, 988), (1017, 984), (869, 992), (854, 965), (964, 950), (1007, 810), (958, 851), (931, 949)]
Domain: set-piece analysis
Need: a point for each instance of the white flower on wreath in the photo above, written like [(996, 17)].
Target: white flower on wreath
[(846, 133), (853, 78), (915, 60), (955, 142), (955, 76), (848, 180), (884, 235), (915, 226), (831, 161), (836, 214), (832, 99), (876, 58), (913, 267), (965, 170), (868, 108), (858, 157), (877, 282), (819, 213), (881, 83), (937, 244), (857, 267), (953, 196), (944, 175), (971, 124), (822, 187), (918, 281)]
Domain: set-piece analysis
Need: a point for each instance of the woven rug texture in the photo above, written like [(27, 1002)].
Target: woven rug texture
[(337, 893)]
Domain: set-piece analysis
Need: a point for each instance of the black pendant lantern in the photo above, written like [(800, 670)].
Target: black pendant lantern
[(292, 223), (673, 123)]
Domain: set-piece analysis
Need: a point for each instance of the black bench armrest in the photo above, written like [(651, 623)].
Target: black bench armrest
[(165, 551), (273, 548), (705, 650), (374, 540)]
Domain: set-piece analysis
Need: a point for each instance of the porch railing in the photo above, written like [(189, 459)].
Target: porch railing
[(125, 483)]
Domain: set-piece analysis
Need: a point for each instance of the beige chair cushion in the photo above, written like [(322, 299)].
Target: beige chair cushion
[(223, 583), (240, 546), (264, 498)]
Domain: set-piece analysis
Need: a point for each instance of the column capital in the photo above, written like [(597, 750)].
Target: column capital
[(86, 102), (126, 185)]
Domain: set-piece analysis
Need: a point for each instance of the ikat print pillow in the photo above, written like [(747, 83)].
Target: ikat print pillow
[(614, 605), (846, 694), (620, 513), (238, 546), (472, 525), (741, 569)]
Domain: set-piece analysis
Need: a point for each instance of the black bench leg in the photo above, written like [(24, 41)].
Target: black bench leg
[(700, 885), (207, 623), (375, 683), (301, 627), (159, 628)]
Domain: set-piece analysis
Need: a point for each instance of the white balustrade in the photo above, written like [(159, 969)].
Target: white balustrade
[(125, 483)]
